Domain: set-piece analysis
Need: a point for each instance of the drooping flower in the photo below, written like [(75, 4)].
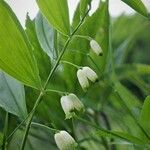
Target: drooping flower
[(84, 75), (96, 48), (90, 74), (65, 141), (71, 104), (82, 79)]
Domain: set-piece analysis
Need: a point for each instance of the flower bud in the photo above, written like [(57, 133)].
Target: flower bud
[(90, 74), (96, 48), (82, 79), (70, 104), (90, 111), (65, 141)]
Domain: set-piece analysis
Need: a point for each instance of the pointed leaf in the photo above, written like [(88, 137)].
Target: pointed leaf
[(120, 135), (56, 12), (145, 112), (45, 34), (138, 6), (12, 96), (83, 6), (16, 56)]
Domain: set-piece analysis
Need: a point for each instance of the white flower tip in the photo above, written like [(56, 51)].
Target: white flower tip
[(82, 80), (65, 141), (90, 74), (71, 105), (90, 111), (96, 48)]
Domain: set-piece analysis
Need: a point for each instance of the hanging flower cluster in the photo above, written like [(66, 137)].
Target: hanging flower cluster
[(72, 105), (84, 75)]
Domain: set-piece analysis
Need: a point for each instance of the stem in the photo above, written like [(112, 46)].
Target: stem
[(94, 62), (84, 37), (73, 129), (56, 91), (48, 79), (69, 63), (30, 120), (55, 43), (44, 127), (5, 131), (14, 131)]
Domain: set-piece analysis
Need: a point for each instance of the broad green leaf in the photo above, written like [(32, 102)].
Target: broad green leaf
[(16, 57), (45, 34), (12, 96), (43, 61), (56, 12), (145, 115), (120, 135), (138, 6)]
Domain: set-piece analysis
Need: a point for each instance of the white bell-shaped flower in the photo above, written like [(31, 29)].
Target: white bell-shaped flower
[(96, 48), (70, 105), (82, 79), (65, 141), (90, 74)]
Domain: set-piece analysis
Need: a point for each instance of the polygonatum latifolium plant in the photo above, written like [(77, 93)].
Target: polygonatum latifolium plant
[(76, 84)]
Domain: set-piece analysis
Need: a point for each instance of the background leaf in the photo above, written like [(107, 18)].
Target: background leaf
[(56, 13), (12, 96), (36, 139), (121, 135), (16, 57), (46, 35), (144, 116)]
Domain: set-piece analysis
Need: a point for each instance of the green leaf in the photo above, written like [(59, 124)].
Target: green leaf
[(76, 17), (144, 116), (56, 12), (120, 135), (129, 99), (43, 61), (138, 6), (45, 34), (16, 57), (121, 51), (83, 6), (1, 139), (12, 96)]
